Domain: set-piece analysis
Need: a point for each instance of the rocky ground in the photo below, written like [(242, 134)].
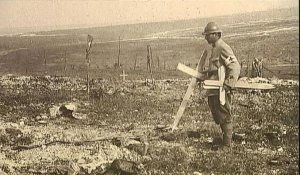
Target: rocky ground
[(50, 125)]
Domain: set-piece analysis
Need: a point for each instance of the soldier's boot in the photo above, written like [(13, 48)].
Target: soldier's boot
[(227, 130)]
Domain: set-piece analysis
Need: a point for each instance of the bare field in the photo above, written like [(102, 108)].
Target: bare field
[(123, 121), (118, 119)]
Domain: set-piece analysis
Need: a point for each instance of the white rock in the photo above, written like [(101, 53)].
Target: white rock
[(71, 106), (210, 140), (44, 117), (79, 116), (255, 127), (42, 122), (260, 149), (54, 111), (81, 161), (14, 125), (280, 149)]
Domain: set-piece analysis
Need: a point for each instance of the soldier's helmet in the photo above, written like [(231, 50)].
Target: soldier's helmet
[(211, 27)]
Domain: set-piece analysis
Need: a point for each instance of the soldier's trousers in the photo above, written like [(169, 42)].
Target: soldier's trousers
[(220, 113)]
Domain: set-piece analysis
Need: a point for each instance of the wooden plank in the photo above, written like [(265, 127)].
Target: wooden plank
[(215, 84), (210, 87), (240, 84), (247, 85), (191, 71), (191, 87), (222, 93)]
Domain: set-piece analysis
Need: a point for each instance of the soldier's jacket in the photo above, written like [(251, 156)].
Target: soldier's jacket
[(222, 54)]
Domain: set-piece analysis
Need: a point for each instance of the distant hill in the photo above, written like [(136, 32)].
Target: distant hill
[(141, 30), (271, 35), (180, 29)]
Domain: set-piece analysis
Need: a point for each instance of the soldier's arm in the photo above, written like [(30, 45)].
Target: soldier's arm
[(233, 67)]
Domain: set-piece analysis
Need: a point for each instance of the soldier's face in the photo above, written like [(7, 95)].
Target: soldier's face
[(211, 38)]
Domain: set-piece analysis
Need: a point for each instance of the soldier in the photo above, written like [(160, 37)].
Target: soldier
[(221, 55)]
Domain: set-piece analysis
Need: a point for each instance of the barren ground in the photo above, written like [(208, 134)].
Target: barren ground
[(118, 119)]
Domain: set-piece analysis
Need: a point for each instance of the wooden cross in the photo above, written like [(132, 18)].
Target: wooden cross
[(123, 75), (189, 91), (216, 84)]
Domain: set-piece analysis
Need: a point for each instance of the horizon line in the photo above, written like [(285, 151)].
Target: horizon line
[(83, 26)]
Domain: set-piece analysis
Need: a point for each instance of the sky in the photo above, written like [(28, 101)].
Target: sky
[(89, 13)]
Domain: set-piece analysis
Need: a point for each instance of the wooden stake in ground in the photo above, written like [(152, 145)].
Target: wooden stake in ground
[(119, 64), (65, 66), (45, 61), (157, 62), (149, 60), (189, 91), (134, 66), (248, 62), (88, 51), (44, 55)]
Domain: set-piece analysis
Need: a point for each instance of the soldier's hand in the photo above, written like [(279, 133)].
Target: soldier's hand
[(216, 62), (230, 83), (226, 87)]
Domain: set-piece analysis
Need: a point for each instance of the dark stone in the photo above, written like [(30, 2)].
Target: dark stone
[(168, 137), (13, 132), (194, 134), (122, 167), (116, 141), (65, 112), (138, 148), (272, 136)]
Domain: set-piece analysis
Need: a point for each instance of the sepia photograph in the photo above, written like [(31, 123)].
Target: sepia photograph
[(149, 87)]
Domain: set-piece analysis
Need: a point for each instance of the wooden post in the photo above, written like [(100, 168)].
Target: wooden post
[(45, 61), (134, 63), (158, 62), (88, 49), (260, 66), (44, 55), (149, 60), (248, 64), (148, 57), (27, 64), (164, 64), (119, 52), (65, 66), (152, 65)]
